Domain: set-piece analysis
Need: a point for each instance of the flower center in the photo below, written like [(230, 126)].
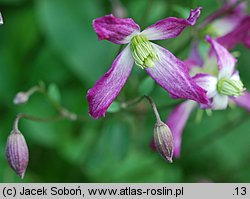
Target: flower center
[(143, 52), (230, 87)]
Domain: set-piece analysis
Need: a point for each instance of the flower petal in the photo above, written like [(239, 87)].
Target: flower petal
[(1, 19), (170, 27), (207, 82), (177, 121), (108, 87), (243, 101), (240, 34), (225, 60), (235, 76), (171, 74), (246, 40), (195, 59), (219, 102), (235, 13), (116, 30)]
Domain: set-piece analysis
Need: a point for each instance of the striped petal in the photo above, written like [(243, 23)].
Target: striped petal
[(207, 82), (235, 13), (240, 34), (225, 60), (108, 87), (116, 30), (171, 74), (170, 27)]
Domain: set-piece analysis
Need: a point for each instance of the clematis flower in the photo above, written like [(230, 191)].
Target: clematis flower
[(168, 71), (230, 28), (240, 34), (223, 87)]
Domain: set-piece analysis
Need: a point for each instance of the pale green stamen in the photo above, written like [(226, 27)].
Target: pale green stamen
[(230, 87), (143, 52)]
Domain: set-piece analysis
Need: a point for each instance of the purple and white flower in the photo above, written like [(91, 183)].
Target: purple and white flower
[(223, 87), (168, 71), (230, 28), (240, 34)]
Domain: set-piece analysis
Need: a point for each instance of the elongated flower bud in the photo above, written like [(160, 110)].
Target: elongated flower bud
[(164, 141), (17, 152)]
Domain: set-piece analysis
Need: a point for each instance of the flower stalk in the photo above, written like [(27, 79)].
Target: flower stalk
[(163, 138)]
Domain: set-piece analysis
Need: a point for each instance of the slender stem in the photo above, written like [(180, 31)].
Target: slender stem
[(65, 113), (132, 102), (32, 90), (154, 108), (15, 125), (34, 118)]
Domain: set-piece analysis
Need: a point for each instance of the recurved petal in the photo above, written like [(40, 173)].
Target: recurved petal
[(171, 74), (108, 87), (225, 60), (170, 27), (207, 82), (114, 29), (177, 121), (243, 101)]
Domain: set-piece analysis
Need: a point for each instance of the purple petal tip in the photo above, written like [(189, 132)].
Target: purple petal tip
[(114, 29), (194, 15)]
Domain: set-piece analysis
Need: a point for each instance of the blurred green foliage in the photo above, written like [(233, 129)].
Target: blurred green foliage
[(54, 42)]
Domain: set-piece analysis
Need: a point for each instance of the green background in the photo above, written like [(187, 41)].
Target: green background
[(53, 41)]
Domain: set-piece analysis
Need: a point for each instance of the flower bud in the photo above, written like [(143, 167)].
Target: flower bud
[(17, 152), (21, 98), (164, 142)]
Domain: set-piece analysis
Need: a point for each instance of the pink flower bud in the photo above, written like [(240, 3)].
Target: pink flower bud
[(164, 141), (21, 98), (17, 152)]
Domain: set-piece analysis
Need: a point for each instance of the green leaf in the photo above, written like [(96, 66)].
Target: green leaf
[(114, 107), (54, 93), (111, 146), (68, 28), (146, 86)]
